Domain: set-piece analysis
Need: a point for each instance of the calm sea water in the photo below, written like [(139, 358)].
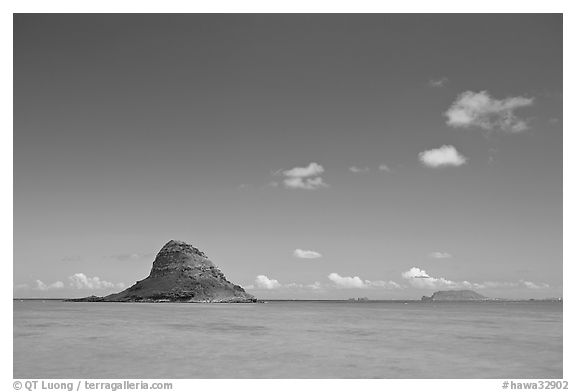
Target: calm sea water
[(55, 339)]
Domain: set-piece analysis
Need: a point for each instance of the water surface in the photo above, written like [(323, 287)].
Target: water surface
[(292, 339)]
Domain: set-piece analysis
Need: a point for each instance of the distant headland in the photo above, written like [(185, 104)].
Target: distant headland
[(180, 273)]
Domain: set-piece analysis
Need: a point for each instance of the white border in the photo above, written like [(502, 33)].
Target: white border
[(230, 6)]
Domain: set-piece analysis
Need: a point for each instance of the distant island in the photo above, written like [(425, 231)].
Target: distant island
[(359, 299), (180, 273), (455, 295)]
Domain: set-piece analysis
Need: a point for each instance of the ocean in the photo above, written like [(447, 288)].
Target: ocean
[(288, 339)]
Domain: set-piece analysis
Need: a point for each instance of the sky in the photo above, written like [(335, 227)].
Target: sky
[(316, 156)]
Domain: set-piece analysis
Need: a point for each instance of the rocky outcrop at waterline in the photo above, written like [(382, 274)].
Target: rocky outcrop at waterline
[(180, 273)]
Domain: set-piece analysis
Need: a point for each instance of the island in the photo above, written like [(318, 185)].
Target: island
[(359, 299), (455, 295), (180, 273)]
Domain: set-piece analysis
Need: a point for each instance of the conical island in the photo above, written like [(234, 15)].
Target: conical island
[(180, 273)]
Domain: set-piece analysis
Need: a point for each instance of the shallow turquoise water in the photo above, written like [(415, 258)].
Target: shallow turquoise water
[(54, 339)]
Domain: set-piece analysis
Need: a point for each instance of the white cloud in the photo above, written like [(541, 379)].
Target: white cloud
[(313, 169), (304, 177), (346, 281), (518, 284), (42, 286), (357, 283), (385, 168), (420, 279), (415, 272), (534, 286), (382, 284), (436, 83), (479, 109), (355, 169), (306, 254), (315, 286), (440, 255), (305, 183), (81, 281), (293, 285), (263, 282), (442, 156)]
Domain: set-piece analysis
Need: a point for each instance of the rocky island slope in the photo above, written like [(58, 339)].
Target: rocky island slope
[(180, 273), (455, 295)]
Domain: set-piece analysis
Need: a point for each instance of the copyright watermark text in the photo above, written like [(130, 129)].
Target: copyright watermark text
[(85, 385), (535, 385)]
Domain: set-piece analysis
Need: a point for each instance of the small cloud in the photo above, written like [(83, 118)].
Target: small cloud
[(293, 285), (313, 169), (420, 279), (305, 183), (52, 286), (315, 286), (346, 281), (479, 109), (21, 286), (304, 177), (263, 282), (382, 284), (385, 168), (81, 281), (440, 255), (356, 282), (442, 156), (355, 169), (534, 286), (518, 284), (438, 83), (306, 254), (415, 272)]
